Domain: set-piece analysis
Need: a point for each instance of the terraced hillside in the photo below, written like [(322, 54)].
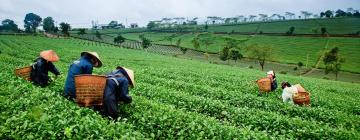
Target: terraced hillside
[(174, 98), (287, 50), (334, 26)]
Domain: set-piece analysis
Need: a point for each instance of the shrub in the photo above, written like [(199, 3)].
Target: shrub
[(283, 72)]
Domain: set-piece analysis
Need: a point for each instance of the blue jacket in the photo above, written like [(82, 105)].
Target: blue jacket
[(81, 66), (116, 90), (39, 73), (119, 88)]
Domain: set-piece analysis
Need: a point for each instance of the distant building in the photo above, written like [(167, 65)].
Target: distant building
[(111, 25), (134, 25)]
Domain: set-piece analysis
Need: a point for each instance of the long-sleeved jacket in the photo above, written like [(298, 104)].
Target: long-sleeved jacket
[(288, 93), (116, 90), (81, 66), (273, 85), (39, 74)]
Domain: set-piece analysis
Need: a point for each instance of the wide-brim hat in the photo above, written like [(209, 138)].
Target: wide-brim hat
[(94, 55), (270, 73), (49, 55), (129, 75)]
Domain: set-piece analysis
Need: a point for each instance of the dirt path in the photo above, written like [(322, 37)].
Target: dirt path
[(319, 59), (52, 35)]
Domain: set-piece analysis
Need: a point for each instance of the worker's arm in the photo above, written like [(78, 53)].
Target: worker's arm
[(53, 69)]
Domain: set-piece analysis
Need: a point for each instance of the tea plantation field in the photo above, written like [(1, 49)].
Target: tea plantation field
[(174, 99)]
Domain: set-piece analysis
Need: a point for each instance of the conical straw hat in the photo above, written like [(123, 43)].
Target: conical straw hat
[(49, 55), (96, 56), (129, 75)]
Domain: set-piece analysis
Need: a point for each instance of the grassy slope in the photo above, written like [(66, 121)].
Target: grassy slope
[(170, 99), (333, 26), (285, 49)]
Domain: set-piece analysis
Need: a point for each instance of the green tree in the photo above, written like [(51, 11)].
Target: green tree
[(235, 54), (329, 13), (290, 31), (224, 54), (196, 43), (260, 53), (65, 27), (151, 25), (9, 25), (206, 27), (98, 34), (231, 50), (340, 13), (332, 61), (119, 39), (113, 24), (145, 43), (31, 22), (323, 30), (56, 29), (48, 24), (82, 31)]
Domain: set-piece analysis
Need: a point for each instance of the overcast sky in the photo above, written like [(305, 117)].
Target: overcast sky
[(80, 13)]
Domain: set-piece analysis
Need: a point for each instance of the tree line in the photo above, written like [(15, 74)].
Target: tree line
[(32, 22)]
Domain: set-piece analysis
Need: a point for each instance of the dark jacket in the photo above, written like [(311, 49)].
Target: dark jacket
[(116, 90), (81, 66), (274, 85), (39, 73)]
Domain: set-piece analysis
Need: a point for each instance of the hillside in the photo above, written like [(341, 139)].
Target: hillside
[(285, 49), (174, 98), (302, 26)]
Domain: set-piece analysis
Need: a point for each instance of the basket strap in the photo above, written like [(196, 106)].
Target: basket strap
[(117, 83), (33, 65)]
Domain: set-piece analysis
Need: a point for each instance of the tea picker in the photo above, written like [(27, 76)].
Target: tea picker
[(41, 67), (84, 65), (294, 94), (117, 90), (268, 83), (105, 92)]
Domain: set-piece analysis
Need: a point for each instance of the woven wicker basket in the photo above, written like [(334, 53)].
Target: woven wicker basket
[(264, 84), (89, 89), (24, 72), (301, 98)]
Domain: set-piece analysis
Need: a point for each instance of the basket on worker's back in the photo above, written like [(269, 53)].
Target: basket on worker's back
[(89, 89), (264, 84), (302, 97), (24, 72)]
